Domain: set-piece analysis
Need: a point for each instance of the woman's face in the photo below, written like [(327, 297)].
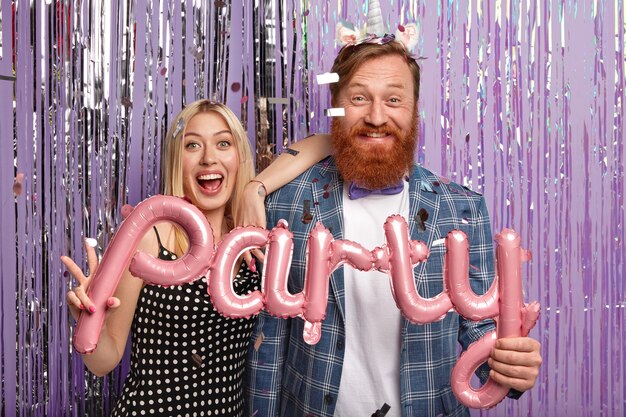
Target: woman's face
[(210, 161)]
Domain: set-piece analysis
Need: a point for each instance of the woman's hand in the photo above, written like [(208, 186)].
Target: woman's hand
[(77, 298)]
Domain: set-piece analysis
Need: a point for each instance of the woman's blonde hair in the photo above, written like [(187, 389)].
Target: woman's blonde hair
[(172, 168)]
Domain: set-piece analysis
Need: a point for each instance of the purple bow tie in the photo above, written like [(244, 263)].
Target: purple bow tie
[(355, 192)]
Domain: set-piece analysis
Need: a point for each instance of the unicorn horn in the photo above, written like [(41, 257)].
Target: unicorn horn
[(375, 23)]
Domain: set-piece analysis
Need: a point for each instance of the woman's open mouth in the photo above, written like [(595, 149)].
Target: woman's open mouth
[(210, 183)]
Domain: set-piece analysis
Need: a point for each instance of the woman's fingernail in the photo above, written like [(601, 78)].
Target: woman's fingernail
[(252, 266), (92, 309), (82, 307), (110, 302)]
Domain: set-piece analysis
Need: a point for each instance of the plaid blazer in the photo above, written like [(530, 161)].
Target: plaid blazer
[(287, 377)]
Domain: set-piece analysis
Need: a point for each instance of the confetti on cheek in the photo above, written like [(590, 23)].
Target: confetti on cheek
[(335, 112)]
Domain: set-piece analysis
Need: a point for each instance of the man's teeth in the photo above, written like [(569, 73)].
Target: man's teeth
[(376, 135), (207, 177)]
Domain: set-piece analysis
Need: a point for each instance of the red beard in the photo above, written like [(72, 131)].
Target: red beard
[(373, 166)]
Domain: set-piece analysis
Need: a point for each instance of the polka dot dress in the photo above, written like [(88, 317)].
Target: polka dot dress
[(186, 359)]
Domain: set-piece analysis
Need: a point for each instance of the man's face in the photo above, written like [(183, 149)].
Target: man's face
[(374, 143)]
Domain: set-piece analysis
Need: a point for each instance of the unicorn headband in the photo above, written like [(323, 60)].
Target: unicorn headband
[(374, 31)]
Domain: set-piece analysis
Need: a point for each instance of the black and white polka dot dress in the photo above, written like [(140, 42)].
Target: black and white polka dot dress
[(186, 359)]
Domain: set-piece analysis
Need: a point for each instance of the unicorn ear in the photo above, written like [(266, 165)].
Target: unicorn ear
[(408, 36), (345, 33)]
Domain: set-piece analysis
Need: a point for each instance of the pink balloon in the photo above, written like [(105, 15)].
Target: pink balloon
[(122, 248), (317, 281), (223, 296), (514, 319), (279, 302), (489, 394), (399, 254), (397, 258), (456, 266)]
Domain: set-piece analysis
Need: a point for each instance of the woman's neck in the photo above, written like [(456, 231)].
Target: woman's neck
[(217, 220)]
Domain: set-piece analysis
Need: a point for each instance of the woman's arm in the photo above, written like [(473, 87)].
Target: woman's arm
[(292, 162), (296, 159)]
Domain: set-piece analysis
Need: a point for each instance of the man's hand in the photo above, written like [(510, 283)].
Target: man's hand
[(515, 362)]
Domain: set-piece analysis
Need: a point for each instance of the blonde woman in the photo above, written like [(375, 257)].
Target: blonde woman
[(186, 358)]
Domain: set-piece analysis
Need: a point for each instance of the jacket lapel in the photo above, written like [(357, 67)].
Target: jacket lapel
[(424, 208)]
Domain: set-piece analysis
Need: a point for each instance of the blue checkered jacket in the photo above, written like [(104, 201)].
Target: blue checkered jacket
[(287, 377)]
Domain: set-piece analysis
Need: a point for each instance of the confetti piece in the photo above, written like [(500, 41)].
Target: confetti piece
[(235, 87), (258, 342), (197, 360), (244, 99), (127, 102), (420, 219), (180, 125), (327, 78), (335, 112), (17, 184), (126, 210), (439, 242), (307, 217), (278, 100)]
